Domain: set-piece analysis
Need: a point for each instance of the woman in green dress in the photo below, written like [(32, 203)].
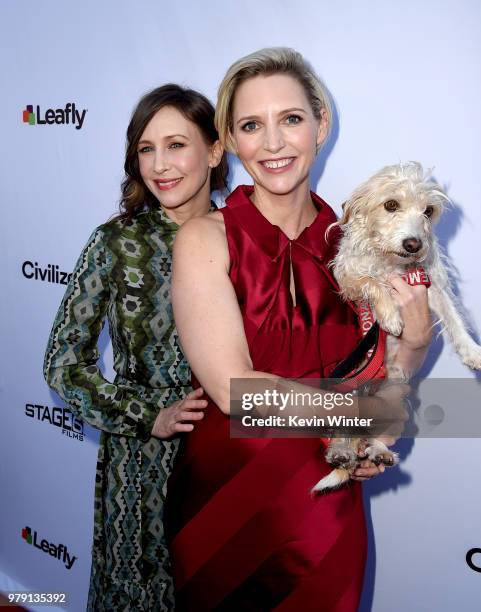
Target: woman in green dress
[(173, 162)]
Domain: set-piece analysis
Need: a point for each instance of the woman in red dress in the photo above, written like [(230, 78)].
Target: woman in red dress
[(253, 298)]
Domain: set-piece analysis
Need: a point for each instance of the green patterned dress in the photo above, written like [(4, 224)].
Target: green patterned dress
[(124, 274)]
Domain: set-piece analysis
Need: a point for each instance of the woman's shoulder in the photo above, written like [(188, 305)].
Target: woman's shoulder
[(203, 236), (102, 235), (120, 228), (209, 226), (105, 238), (118, 224)]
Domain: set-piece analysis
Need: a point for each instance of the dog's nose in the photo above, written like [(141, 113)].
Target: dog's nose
[(412, 245)]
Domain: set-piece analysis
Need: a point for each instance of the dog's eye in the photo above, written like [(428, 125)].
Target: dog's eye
[(391, 205), (429, 211)]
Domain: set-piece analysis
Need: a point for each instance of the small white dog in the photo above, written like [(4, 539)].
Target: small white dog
[(387, 228)]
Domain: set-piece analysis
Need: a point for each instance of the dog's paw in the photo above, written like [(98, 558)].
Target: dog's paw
[(341, 456), (385, 456), (471, 357), (391, 323)]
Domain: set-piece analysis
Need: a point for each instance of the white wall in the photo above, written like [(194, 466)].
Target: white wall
[(405, 78)]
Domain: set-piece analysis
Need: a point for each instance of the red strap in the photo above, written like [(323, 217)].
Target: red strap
[(417, 276), (374, 368)]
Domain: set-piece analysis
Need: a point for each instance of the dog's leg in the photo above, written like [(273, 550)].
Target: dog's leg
[(444, 308), (342, 455), (342, 452), (333, 480), (394, 371), (379, 453), (385, 307), (376, 292)]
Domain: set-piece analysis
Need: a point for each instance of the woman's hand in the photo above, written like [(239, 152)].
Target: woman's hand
[(387, 406), (413, 303), (172, 420), (417, 332), (366, 470)]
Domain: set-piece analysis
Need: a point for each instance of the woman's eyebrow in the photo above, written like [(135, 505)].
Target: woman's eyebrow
[(247, 117), (170, 136), (292, 110), (282, 112)]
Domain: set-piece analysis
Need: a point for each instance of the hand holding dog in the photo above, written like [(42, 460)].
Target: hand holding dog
[(413, 303), (387, 403), (413, 343), (367, 469)]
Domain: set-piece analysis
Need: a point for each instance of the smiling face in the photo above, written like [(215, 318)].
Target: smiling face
[(275, 133), (174, 159)]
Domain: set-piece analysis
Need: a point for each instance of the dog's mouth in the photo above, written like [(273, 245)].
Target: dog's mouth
[(405, 255)]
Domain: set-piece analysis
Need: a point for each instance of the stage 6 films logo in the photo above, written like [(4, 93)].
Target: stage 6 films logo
[(59, 551), (475, 566), (63, 418), (59, 116)]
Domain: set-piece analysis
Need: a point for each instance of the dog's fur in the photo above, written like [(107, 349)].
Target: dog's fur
[(376, 242)]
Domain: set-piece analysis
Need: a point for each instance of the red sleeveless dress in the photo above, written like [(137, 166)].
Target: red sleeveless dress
[(244, 532)]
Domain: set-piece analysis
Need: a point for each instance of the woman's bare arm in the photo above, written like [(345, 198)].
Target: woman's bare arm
[(206, 310)]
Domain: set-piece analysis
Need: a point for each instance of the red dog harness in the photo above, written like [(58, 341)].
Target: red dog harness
[(372, 347)]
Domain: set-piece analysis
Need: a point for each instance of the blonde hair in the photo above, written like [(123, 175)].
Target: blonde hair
[(267, 62)]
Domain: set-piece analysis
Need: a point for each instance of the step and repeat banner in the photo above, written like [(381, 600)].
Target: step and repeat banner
[(405, 80)]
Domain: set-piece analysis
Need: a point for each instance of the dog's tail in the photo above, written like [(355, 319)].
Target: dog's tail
[(333, 480)]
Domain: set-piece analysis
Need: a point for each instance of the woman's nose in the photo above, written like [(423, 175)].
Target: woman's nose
[(161, 163), (274, 140)]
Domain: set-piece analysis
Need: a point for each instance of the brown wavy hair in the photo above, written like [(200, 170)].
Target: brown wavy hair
[(195, 107)]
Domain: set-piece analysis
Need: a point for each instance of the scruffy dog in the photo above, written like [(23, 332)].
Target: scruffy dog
[(387, 228)]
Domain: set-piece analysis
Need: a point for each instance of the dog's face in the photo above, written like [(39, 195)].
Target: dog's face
[(393, 214)]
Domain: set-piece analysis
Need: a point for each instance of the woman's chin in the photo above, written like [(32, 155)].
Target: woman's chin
[(283, 185), (174, 200)]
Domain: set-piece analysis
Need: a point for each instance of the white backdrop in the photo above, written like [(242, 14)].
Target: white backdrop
[(406, 81)]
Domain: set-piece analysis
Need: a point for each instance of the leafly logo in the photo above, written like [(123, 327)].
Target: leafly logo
[(59, 551), (69, 115)]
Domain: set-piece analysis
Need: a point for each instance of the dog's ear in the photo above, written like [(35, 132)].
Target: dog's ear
[(347, 211)]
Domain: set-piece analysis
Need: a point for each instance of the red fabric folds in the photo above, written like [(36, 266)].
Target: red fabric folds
[(243, 530)]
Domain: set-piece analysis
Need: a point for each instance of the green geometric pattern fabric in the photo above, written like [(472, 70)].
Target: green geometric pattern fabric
[(123, 274)]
